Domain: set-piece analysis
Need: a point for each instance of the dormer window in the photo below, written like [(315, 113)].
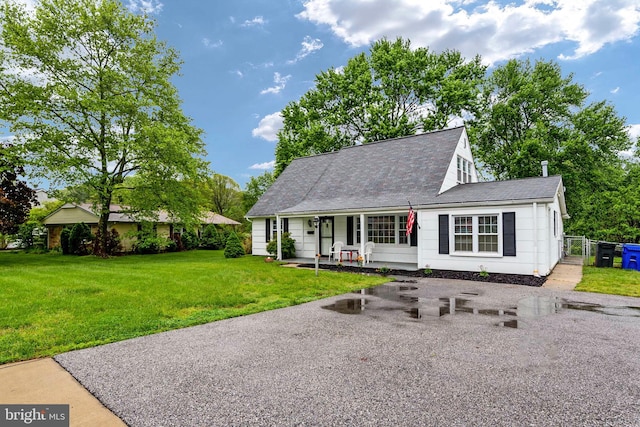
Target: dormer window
[(464, 170)]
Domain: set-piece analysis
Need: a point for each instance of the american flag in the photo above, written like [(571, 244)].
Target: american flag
[(410, 220)]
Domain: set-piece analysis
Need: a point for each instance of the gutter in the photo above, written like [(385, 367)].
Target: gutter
[(396, 209)]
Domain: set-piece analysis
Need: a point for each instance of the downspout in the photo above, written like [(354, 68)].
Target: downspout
[(362, 234), (535, 240), (279, 238), (549, 238)]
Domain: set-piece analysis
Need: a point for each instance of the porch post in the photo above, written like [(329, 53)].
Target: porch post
[(535, 240), (279, 238), (362, 234)]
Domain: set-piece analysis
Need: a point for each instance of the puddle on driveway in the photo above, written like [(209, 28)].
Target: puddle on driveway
[(420, 308)]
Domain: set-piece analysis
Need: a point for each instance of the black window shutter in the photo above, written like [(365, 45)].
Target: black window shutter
[(349, 230), (509, 234), (414, 233), (286, 225), (443, 234), (267, 230)]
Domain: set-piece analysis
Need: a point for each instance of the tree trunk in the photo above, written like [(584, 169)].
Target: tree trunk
[(103, 225)]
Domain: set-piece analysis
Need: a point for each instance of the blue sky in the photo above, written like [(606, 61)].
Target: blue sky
[(244, 60)]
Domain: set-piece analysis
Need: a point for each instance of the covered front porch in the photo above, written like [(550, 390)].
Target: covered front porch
[(384, 231)]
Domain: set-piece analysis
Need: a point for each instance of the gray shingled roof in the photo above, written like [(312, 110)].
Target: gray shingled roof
[(536, 188), (384, 174)]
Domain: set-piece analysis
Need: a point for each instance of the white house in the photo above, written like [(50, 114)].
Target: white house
[(362, 193)]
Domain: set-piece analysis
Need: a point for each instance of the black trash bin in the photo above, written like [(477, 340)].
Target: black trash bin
[(604, 254)]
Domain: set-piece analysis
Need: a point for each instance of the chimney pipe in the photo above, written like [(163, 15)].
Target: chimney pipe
[(545, 171)]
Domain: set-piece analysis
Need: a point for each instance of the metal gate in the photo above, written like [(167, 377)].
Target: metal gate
[(577, 246)]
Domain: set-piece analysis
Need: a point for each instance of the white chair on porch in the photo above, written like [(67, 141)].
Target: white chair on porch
[(368, 251), (336, 251)]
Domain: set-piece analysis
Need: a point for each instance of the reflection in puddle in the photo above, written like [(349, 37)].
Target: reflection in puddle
[(420, 308), (538, 306), (511, 324), (419, 313), (348, 306)]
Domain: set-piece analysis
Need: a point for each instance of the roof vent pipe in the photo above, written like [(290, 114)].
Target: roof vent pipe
[(545, 171)]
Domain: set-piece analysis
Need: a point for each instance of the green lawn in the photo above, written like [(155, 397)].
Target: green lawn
[(610, 281), (51, 303)]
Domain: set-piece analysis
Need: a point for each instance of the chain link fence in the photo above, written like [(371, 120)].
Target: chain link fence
[(585, 248)]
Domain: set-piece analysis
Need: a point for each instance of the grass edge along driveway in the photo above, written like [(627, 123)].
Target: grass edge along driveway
[(614, 281), (50, 304)]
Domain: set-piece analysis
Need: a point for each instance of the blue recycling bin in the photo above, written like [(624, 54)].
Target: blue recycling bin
[(631, 256)]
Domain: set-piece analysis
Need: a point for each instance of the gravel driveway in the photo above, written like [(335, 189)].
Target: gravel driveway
[(446, 353)]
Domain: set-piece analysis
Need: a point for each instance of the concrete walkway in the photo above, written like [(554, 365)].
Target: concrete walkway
[(43, 381), (566, 275)]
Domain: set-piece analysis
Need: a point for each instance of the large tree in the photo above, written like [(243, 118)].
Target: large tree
[(255, 188), (534, 113), (395, 91), (86, 88), (16, 197), (224, 195)]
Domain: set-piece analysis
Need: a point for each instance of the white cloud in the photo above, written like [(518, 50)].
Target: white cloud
[(634, 131), (634, 134), (264, 65), (211, 45), (145, 6), (493, 30), (268, 127), (264, 166), (309, 45), (616, 90), (280, 81), (258, 21), (238, 73)]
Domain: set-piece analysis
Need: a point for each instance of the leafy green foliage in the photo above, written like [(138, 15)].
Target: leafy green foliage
[(533, 113), (79, 238), (4, 240), (114, 245), (525, 119), (395, 91), (255, 188), (87, 91), (247, 243), (147, 244), (190, 240), (64, 241), (288, 246), (233, 248), (212, 238), (224, 193)]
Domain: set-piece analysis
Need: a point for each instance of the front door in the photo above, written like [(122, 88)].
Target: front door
[(326, 234)]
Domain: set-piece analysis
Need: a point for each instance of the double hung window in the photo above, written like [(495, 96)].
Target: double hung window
[(381, 229), (464, 170), (476, 233)]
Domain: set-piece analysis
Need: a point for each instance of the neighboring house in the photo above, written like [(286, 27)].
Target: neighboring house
[(124, 224), (42, 197), (362, 193)]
